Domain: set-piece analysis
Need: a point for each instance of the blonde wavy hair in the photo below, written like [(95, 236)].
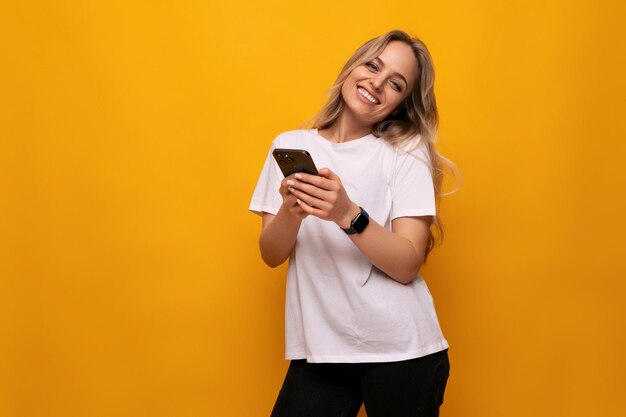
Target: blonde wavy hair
[(415, 121)]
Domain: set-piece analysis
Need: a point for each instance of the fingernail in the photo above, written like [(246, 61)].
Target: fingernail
[(290, 189), (298, 200), (289, 182), (298, 175)]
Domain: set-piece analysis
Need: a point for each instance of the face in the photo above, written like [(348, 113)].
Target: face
[(376, 88)]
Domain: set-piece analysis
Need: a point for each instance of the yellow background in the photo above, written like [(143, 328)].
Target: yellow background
[(132, 135)]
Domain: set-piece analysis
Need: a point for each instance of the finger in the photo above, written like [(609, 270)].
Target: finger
[(316, 180), (301, 195), (309, 200), (327, 173), (309, 189), (286, 180), (310, 210), (285, 193)]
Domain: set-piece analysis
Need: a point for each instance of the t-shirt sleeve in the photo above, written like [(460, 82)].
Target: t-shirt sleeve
[(266, 197), (412, 186)]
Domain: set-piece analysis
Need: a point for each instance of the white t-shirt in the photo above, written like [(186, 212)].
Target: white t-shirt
[(339, 307)]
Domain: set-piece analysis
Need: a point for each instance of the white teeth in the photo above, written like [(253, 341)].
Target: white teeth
[(367, 95)]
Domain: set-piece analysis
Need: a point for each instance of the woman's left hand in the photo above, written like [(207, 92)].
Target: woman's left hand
[(398, 252), (324, 196)]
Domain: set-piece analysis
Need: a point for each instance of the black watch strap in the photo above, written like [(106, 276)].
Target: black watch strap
[(359, 223)]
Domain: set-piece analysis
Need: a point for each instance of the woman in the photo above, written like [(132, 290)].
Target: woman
[(360, 322)]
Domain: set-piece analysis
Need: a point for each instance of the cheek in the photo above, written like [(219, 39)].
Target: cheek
[(350, 81), (400, 98), (397, 102), (345, 89), (356, 75), (393, 98), (349, 85)]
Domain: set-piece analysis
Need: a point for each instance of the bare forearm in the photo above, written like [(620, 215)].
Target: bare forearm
[(278, 237), (398, 252), (390, 252)]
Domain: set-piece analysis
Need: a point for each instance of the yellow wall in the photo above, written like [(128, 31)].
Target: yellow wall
[(132, 135)]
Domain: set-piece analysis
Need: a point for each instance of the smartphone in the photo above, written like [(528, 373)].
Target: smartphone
[(294, 160)]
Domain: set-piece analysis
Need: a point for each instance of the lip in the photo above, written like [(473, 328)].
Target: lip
[(370, 93)]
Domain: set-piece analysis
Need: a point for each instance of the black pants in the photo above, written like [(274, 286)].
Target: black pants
[(412, 388)]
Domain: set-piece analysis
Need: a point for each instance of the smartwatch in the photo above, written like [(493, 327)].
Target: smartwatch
[(359, 223)]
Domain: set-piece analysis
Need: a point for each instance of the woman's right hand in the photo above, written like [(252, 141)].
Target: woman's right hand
[(280, 230), (290, 202)]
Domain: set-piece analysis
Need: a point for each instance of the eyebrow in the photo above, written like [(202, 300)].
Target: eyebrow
[(382, 64)]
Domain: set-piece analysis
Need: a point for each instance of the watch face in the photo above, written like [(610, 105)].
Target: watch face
[(360, 223)]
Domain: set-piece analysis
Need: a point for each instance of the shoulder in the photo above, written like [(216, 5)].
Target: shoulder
[(415, 149), (296, 139), (292, 135)]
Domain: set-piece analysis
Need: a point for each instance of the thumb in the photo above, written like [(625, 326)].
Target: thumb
[(327, 173)]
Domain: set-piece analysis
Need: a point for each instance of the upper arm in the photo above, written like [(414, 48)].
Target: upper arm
[(415, 229), (412, 189), (266, 219)]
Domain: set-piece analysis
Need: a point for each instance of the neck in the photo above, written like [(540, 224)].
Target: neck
[(345, 129)]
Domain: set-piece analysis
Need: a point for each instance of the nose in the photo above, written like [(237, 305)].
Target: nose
[(377, 83)]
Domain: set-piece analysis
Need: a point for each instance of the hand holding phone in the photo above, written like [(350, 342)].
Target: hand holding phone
[(291, 161)]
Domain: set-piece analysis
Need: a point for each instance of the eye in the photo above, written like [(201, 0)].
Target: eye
[(371, 66), (396, 85)]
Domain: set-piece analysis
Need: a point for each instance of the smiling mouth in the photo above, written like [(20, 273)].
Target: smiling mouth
[(363, 92)]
